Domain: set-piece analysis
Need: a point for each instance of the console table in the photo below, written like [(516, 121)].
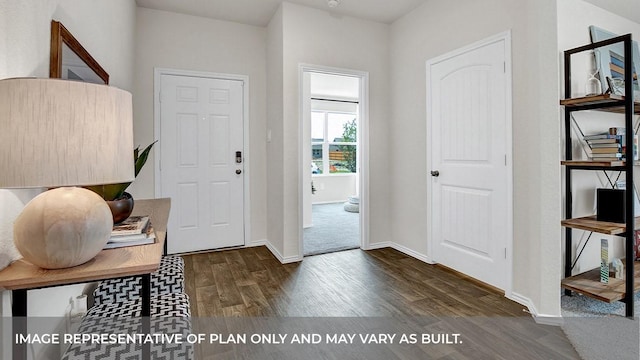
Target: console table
[(140, 260)]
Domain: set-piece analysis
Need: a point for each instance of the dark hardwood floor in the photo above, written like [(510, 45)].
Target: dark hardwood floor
[(373, 284)]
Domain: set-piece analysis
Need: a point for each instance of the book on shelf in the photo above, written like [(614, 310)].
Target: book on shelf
[(602, 141), (601, 159), (602, 136), (605, 150), (615, 156), (133, 225), (148, 237), (612, 145)]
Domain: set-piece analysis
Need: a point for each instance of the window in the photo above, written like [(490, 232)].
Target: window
[(334, 144)]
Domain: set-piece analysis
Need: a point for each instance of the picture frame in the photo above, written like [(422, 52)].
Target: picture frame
[(610, 62), (70, 60)]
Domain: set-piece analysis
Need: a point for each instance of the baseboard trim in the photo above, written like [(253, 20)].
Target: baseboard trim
[(542, 319), (255, 243), (414, 254), (280, 257), (380, 245)]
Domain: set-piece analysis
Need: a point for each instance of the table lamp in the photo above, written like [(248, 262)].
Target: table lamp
[(62, 134)]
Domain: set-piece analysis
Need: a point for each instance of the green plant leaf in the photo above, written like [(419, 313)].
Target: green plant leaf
[(114, 191), (142, 158)]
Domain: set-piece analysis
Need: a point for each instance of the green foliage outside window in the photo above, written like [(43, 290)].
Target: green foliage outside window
[(350, 134)]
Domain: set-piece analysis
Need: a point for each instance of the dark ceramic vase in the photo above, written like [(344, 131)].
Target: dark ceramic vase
[(121, 208)]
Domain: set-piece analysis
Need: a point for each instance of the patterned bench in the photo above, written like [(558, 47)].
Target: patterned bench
[(117, 309), (170, 315), (168, 279)]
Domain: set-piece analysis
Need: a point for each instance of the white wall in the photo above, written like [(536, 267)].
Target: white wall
[(176, 41), (105, 28), (333, 188), (440, 26), (574, 19), (275, 145), (316, 37)]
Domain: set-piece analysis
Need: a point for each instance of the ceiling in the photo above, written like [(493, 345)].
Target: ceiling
[(629, 9), (259, 12)]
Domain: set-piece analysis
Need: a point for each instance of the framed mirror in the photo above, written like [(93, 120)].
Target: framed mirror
[(70, 60)]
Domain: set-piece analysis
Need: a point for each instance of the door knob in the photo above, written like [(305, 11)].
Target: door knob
[(238, 171), (435, 173)]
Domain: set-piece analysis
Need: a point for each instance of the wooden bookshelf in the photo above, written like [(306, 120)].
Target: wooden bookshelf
[(604, 102), (594, 99), (588, 284), (592, 163), (589, 223)]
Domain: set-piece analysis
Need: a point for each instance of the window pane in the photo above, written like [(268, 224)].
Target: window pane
[(316, 159), (342, 128), (317, 127), (342, 159)]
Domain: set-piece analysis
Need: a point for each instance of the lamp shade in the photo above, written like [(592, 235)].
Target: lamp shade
[(64, 133)]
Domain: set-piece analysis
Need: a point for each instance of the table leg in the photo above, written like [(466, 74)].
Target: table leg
[(19, 320), (146, 313), (166, 239)]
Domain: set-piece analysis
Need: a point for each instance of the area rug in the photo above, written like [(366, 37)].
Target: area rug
[(334, 229), (599, 330)]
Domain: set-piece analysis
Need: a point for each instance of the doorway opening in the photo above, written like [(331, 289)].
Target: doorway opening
[(332, 153)]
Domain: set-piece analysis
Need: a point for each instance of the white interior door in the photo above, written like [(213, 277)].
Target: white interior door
[(201, 124), (469, 173)]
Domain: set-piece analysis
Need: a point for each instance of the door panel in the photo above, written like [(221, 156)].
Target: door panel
[(201, 130), (468, 148)]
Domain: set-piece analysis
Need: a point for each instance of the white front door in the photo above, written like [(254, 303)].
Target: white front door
[(201, 132), (467, 93)]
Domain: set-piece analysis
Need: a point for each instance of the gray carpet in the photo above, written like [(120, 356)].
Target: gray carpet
[(599, 330), (333, 230)]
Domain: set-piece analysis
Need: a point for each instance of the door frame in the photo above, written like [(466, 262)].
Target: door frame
[(363, 148), (157, 74), (506, 38)]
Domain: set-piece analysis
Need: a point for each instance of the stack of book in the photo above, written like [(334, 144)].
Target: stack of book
[(606, 146), (136, 230)]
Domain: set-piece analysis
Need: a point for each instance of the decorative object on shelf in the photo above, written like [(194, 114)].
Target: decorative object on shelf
[(618, 269), (604, 261), (593, 86), (611, 205), (59, 133), (121, 208), (610, 62), (615, 86), (120, 202)]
